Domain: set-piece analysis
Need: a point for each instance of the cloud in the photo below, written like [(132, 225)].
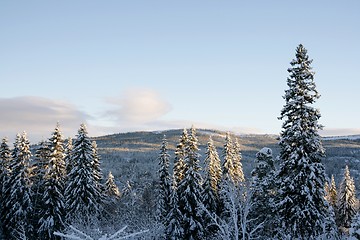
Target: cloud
[(38, 117), (138, 106)]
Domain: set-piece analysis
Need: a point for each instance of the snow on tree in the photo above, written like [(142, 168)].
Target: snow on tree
[(301, 205), (68, 155), (212, 178), (238, 170), (347, 203), (263, 189), (163, 203), (354, 231), (228, 155), (180, 154), (173, 224), (331, 193), (5, 159), (111, 189), (52, 211), (18, 204), (83, 197), (189, 191)]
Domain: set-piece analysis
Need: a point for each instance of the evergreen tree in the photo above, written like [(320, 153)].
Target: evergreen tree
[(347, 203), (190, 190), (180, 154), (173, 226), (355, 228), (238, 170), (331, 193), (18, 204), (212, 173), (52, 213), (228, 155), (110, 187), (68, 155), (263, 188), (163, 206), (5, 159), (82, 194), (96, 164), (301, 205)]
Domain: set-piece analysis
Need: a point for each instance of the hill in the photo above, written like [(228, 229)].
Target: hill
[(133, 156)]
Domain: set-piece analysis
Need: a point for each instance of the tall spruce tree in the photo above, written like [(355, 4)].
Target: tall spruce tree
[(52, 211), (189, 191), (238, 170), (18, 195), (228, 155), (163, 204), (347, 203), (82, 194), (212, 173), (301, 205), (180, 154)]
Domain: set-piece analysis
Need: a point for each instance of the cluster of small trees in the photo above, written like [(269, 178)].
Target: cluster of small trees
[(60, 185), (284, 203)]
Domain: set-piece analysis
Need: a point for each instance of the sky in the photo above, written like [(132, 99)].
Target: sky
[(122, 66)]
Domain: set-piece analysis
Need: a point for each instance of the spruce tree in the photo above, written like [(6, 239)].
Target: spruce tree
[(354, 231), (18, 195), (82, 194), (111, 189), (68, 155), (238, 170), (190, 190), (347, 203), (262, 197), (163, 206), (5, 159), (173, 226), (52, 211), (212, 173), (301, 205), (228, 155), (331, 193), (180, 154)]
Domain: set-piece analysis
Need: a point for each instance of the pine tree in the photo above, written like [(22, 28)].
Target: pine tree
[(18, 195), (238, 170), (347, 203), (263, 188), (111, 189), (68, 155), (228, 155), (82, 194), (301, 205), (163, 206), (180, 154), (52, 213), (189, 192), (96, 164)]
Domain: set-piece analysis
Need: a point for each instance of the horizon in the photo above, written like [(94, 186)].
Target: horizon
[(151, 66)]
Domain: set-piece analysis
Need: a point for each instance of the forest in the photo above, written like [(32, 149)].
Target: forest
[(57, 190)]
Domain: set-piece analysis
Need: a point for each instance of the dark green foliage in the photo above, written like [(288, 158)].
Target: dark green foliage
[(301, 206)]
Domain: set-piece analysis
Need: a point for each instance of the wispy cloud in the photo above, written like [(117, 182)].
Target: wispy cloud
[(138, 106), (38, 116)]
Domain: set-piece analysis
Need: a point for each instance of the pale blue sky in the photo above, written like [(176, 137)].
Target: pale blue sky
[(150, 65)]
